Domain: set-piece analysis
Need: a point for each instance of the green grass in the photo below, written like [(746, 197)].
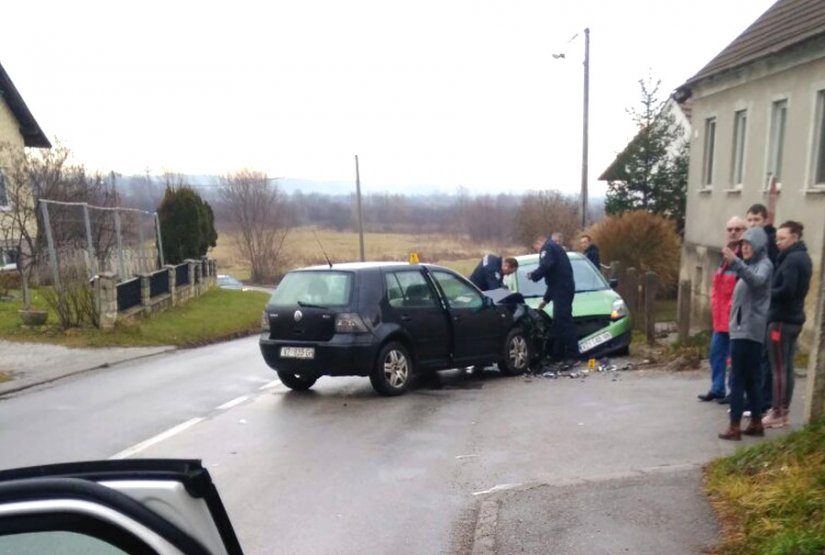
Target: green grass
[(771, 497), (217, 315)]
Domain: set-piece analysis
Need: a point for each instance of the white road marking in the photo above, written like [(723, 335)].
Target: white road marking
[(270, 385), (233, 402), (156, 439), (461, 457), (500, 487)]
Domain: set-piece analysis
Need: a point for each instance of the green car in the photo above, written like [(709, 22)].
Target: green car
[(601, 316)]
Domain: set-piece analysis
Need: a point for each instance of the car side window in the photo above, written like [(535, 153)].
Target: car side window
[(459, 294), (56, 541), (408, 290)]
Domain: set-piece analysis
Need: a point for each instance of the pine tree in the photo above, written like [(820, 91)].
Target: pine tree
[(651, 173)]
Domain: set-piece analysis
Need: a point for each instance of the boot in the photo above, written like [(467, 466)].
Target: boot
[(774, 419), (734, 432), (754, 428), (785, 415)]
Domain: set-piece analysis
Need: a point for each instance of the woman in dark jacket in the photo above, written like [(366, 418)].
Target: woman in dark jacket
[(787, 315)]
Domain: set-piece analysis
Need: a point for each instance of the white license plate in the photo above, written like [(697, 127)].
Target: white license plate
[(588, 344), (298, 352)]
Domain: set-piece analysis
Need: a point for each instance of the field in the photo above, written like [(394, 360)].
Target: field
[(302, 249)]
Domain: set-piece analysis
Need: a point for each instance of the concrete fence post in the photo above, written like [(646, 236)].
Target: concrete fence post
[(650, 288), (173, 293), (629, 288), (683, 309), (190, 268), (106, 288), (145, 291), (198, 288)]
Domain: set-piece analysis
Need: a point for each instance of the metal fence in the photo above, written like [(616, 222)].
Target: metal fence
[(159, 283), (128, 294), (124, 241), (182, 274)]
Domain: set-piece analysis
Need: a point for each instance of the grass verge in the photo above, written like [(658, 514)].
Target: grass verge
[(771, 497), (217, 315)]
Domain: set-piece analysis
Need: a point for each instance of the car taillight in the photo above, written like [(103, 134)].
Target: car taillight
[(265, 321), (349, 323)]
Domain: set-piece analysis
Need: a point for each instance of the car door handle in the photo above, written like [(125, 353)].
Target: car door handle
[(406, 317), (456, 318)]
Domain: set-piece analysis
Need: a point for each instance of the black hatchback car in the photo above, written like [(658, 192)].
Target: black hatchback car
[(388, 321)]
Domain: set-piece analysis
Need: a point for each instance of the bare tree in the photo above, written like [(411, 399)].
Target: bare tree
[(18, 222), (543, 213), (32, 175), (256, 208)]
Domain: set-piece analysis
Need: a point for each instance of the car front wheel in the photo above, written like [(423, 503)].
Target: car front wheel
[(296, 381), (393, 370), (516, 356)]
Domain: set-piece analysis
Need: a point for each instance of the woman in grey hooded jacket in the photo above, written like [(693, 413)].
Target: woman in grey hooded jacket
[(748, 324)]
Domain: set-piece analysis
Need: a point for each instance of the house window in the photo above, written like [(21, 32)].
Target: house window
[(710, 144), (4, 197), (740, 124), (776, 144), (819, 140)]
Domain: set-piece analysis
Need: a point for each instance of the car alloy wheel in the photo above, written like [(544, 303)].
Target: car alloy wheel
[(396, 368), (393, 370), (516, 355), (518, 352)]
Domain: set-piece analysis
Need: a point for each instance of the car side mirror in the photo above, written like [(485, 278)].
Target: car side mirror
[(614, 283), (487, 301)]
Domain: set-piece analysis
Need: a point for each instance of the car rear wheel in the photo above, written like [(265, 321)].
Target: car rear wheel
[(296, 381), (516, 357), (393, 370)]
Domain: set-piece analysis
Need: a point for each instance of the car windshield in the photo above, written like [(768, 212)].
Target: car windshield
[(319, 288), (584, 274)]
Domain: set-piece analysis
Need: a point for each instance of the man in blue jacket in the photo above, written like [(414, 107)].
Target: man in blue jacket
[(554, 267), (490, 272)]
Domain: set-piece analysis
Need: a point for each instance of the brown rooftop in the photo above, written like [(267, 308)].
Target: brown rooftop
[(785, 24)]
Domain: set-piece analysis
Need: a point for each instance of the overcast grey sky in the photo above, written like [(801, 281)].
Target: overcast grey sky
[(432, 93)]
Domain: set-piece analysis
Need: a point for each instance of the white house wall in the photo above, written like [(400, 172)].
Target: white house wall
[(708, 208)]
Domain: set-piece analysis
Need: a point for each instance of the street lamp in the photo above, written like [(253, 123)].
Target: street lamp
[(585, 124)]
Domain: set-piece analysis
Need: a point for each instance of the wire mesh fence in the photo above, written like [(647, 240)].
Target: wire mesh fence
[(124, 241)]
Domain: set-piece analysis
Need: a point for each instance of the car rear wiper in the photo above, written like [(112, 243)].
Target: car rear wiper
[(302, 304)]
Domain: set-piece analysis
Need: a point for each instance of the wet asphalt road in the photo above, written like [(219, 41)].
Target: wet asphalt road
[(339, 469)]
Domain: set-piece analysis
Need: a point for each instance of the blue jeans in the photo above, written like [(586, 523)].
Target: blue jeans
[(719, 351), (745, 356)]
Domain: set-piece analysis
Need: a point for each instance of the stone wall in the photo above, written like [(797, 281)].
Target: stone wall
[(202, 275)]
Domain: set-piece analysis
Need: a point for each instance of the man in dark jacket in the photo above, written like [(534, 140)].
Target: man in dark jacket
[(590, 250), (554, 267), (759, 215), (490, 272), (791, 281)]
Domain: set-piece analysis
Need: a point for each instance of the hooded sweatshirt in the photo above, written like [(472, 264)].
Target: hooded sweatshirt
[(752, 294)]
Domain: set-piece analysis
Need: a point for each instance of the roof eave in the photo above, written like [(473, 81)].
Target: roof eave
[(33, 135)]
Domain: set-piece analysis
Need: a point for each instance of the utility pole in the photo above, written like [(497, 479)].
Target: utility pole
[(360, 218), (815, 390), (585, 124)]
